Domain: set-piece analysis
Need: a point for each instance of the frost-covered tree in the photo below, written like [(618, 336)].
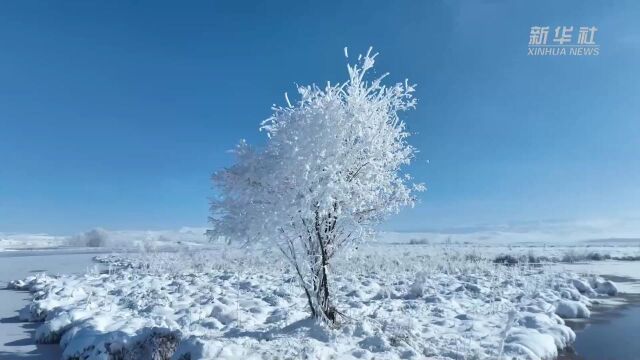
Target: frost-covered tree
[(329, 172)]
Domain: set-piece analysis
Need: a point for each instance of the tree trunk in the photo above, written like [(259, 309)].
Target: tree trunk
[(326, 309), (322, 307), (318, 245)]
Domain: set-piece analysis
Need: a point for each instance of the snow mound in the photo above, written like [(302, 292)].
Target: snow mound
[(582, 286), (531, 344), (570, 309), (606, 288)]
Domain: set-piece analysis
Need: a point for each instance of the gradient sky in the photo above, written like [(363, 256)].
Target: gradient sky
[(114, 114)]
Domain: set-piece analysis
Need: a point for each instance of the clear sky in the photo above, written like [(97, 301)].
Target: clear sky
[(115, 113)]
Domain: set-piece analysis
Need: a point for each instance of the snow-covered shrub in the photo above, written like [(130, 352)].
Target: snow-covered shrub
[(596, 256), (330, 171), (572, 255), (510, 260), (31, 283), (506, 259), (153, 344), (419, 241), (417, 289), (93, 238)]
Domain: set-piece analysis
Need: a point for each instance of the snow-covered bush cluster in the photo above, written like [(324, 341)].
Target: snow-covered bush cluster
[(138, 240), (567, 254), (398, 302), (93, 238)]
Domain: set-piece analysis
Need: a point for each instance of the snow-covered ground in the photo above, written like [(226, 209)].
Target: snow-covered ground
[(441, 301), (463, 294)]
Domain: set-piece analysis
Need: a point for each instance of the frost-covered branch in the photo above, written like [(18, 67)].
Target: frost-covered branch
[(331, 169)]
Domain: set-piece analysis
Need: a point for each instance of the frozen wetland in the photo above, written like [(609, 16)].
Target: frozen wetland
[(441, 301)]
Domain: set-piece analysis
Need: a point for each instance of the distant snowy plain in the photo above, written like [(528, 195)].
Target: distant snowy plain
[(171, 295)]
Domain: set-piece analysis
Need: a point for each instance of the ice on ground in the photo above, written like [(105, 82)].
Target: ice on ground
[(437, 302)]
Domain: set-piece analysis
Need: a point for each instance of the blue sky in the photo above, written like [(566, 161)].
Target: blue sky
[(114, 114)]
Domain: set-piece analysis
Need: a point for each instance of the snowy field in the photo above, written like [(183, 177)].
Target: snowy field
[(407, 296)]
